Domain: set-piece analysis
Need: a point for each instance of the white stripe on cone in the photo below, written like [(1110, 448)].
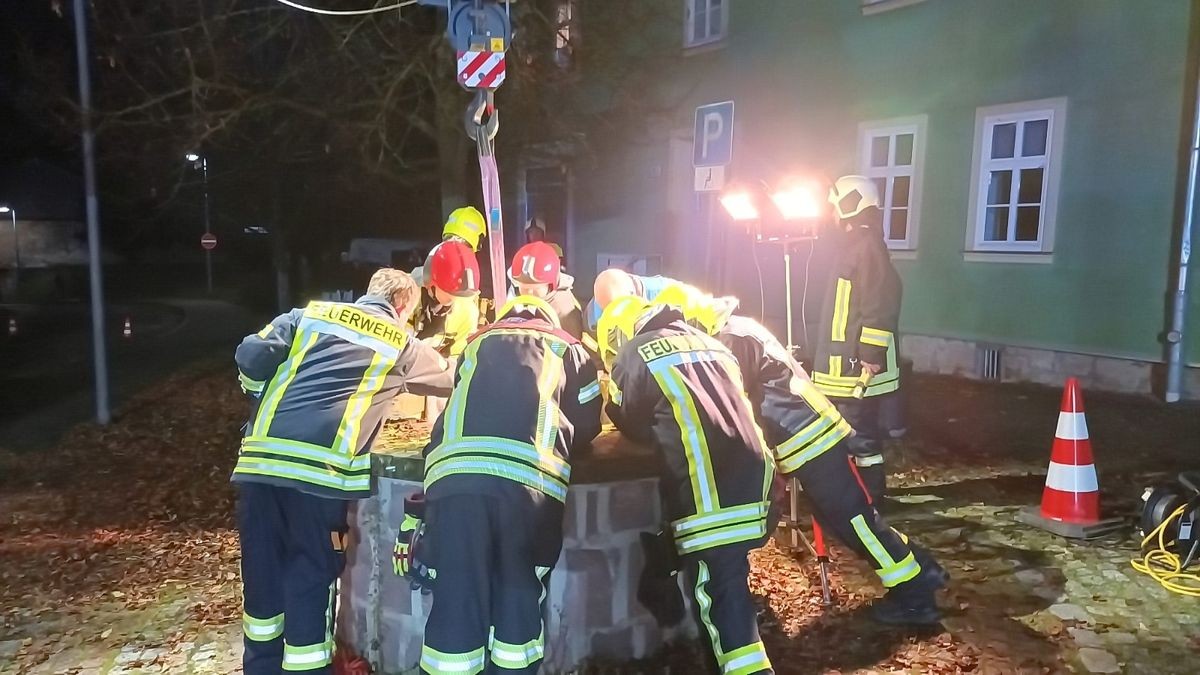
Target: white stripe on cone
[(1072, 426), (1072, 478)]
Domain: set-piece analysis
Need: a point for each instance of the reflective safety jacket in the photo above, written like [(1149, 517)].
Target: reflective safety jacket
[(859, 317), (797, 420), (446, 327), (525, 397), (679, 391), (647, 288), (565, 305), (323, 377)]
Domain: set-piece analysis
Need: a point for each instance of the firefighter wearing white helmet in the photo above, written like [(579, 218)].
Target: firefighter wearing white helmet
[(855, 361)]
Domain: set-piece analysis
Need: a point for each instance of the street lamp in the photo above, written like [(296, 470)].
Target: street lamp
[(195, 159), (16, 242)]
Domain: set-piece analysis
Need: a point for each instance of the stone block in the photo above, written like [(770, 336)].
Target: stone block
[(1122, 375), (591, 575), (633, 505), (1081, 366), (613, 644)]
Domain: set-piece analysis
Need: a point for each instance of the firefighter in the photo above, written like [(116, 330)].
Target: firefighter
[(808, 436), (614, 283), (856, 362), (536, 271), (678, 390), (496, 475), (322, 378), (449, 310)]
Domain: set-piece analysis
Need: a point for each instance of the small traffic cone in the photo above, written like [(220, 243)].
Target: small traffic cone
[(1071, 500), (127, 331), (12, 326)]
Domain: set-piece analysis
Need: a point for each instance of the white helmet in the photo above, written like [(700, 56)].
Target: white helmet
[(850, 195)]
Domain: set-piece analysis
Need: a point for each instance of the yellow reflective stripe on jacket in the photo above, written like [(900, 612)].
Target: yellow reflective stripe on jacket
[(359, 403), (279, 384), (695, 445), (249, 385), (546, 432), (673, 344), (589, 392), (811, 442), (545, 461), (501, 468), (456, 406), (326, 457), (276, 468), (355, 319), (841, 310)]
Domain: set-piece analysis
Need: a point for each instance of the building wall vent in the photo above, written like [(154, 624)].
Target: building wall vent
[(987, 362)]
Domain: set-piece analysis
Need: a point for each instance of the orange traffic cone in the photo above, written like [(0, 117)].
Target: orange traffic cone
[(128, 330), (1071, 500)]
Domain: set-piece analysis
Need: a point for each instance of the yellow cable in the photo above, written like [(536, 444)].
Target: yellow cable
[(1164, 566)]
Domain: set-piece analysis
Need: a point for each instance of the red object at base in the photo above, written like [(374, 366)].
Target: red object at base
[(346, 662)]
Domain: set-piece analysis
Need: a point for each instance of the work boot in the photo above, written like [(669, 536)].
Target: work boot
[(913, 602)]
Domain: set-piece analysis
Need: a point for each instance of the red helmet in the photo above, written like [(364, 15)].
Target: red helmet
[(453, 268), (536, 263)]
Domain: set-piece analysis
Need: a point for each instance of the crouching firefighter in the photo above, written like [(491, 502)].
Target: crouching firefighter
[(808, 437), (678, 390), (496, 474), (856, 363), (322, 378)]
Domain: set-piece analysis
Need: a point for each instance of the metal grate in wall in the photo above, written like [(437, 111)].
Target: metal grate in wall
[(987, 362)]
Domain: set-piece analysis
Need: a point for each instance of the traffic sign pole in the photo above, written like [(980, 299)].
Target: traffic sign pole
[(712, 152)]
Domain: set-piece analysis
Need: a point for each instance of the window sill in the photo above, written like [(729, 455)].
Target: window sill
[(886, 6), (1007, 257), (903, 253), (704, 47)]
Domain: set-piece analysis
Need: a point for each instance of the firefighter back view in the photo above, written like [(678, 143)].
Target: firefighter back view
[(322, 378), (496, 475), (856, 352), (808, 436), (677, 390), (536, 271)]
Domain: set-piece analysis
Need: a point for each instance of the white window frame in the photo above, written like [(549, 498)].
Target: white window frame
[(986, 119), (566, 32), (916, 126), (690, 40)]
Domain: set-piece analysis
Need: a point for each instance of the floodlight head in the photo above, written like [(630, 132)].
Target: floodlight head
[(741, 205), (798, 200), (192, 157)]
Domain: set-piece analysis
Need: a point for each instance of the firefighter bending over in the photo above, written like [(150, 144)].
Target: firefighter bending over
[(537, 271), (809, 438), (496, 475), (678, 390), (322, 378), (449, 309)]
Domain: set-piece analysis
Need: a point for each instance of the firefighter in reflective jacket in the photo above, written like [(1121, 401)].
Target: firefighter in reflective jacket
[(322, 378), (678, 390), (807, 435), (856, 361), (496, 474), (536, 271), (449, 309), (466, 225)]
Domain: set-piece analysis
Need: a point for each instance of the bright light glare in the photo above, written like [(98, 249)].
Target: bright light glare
[(740, 205), (192, 157), (4, 209), (797, 201)]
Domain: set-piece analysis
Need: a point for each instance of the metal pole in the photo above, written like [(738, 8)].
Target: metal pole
[(16, 245), (99, 355), (1179, 304), (207, 227), (787, 294)]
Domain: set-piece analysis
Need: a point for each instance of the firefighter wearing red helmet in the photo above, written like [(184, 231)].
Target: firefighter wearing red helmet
[(449, 311), (536, 271)]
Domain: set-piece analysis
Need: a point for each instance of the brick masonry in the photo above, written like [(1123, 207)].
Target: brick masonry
[(592, 609), (945, 356)]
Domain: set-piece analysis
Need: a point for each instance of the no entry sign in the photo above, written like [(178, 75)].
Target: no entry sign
[(208, 241)]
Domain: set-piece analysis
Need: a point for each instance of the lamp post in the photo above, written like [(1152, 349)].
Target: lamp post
[(196, 159), (16, 242)]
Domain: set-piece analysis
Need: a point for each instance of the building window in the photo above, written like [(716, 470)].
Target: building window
[(1018, 153), (566, 33), (704, 22), (892, 153)]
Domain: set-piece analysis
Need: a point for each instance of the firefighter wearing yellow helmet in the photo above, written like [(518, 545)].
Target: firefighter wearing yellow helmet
[(856, 362), (466, 224), (808, 437), (676, 389)]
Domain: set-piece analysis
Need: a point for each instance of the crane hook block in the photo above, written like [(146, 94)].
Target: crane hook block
[(478, 26)]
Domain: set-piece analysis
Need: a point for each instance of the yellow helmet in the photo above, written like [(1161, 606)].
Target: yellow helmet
[(617, 325), (466, 223), (529, 306), (699, 308)]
